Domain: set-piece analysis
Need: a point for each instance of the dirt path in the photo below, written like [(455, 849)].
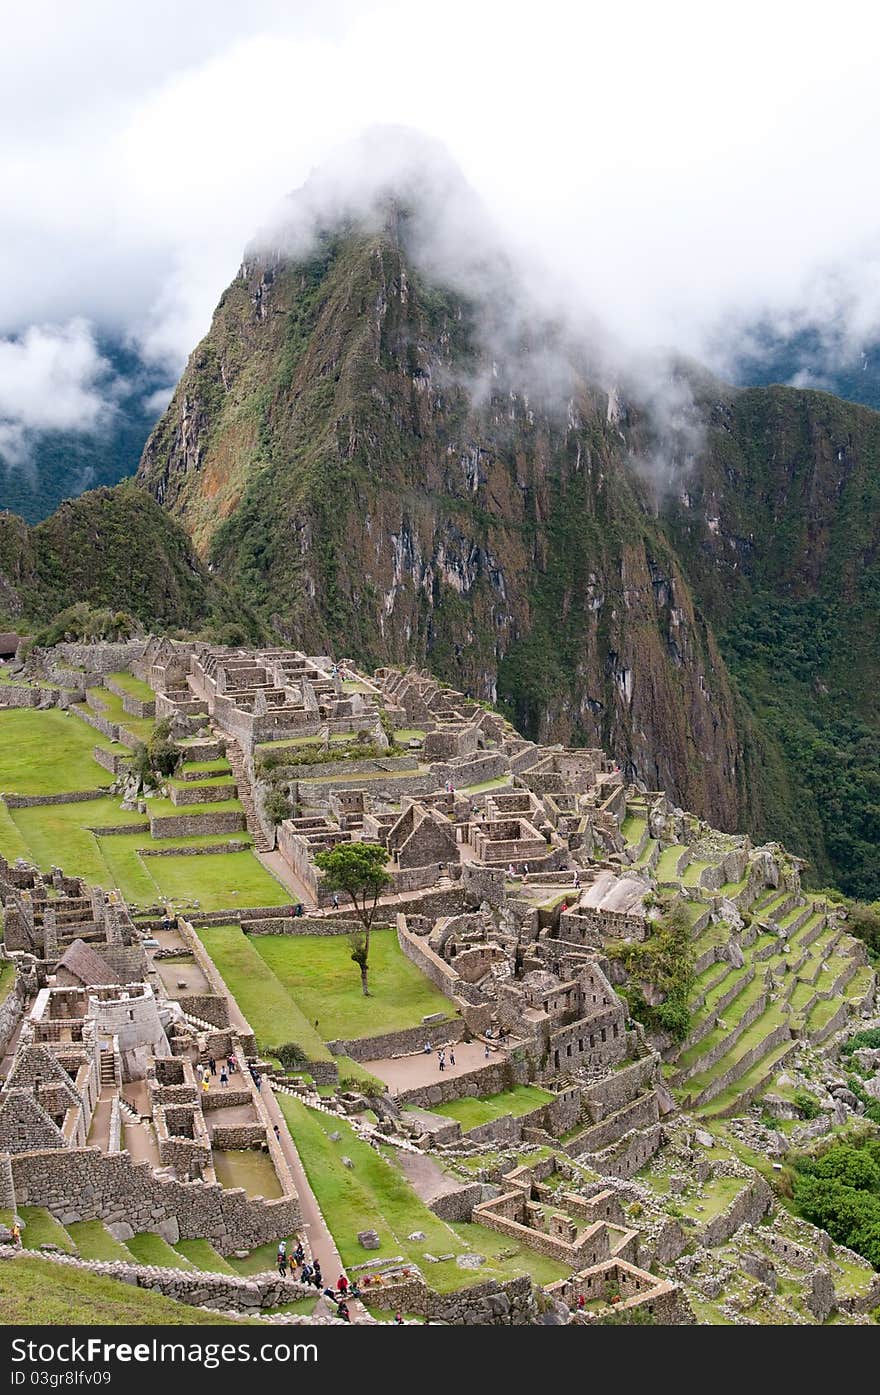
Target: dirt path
[(428, 1179), (317, 1238)]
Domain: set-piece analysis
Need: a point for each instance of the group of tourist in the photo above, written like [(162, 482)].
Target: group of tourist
[(227, 1068), (310, 1273)]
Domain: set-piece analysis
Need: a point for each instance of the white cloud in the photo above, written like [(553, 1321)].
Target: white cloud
[(51, 379), (678, 167)]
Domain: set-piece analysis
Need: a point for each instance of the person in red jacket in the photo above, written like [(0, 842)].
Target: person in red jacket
[(342, 1284)]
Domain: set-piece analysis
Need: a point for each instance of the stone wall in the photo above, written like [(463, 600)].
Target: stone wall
[(419, 952), (11, 1013), (300, 925), (490, 1079), (86, 1184), (101, 657), (114, 761), (223, 1291), (192, 825), (606, 1096), (458, 1205), (747, 1208), (32, 801), (508, 1304), (210, 1007), (201, 792), (316, 793), (404, 1042), (640, 1113)]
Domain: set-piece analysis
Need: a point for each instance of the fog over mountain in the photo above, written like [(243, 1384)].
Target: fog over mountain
[(719, 211)]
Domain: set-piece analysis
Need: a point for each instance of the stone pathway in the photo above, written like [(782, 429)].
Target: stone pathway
[(274, 863)]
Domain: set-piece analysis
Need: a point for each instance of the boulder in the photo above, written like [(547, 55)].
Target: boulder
[(368, 1239), (121, 1230), (169, 1230), (819, 1295)]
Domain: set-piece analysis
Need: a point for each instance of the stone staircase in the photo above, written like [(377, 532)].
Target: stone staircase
[(235, 757)]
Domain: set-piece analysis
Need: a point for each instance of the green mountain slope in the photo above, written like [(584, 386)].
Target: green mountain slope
[(779, 532), (113, 548), (329, 455), (360, 460)]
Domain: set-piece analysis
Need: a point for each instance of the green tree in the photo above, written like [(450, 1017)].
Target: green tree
[(276, 806), (359, 870)]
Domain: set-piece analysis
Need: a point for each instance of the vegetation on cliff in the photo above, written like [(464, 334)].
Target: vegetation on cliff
[(112, 552)]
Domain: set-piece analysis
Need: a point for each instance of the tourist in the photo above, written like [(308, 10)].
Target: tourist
[(16, 1234), (525, 869), (342, 1312), (299, 909), (282, 1264), (206, 1081), (224, 1078), (427, 1048), (486, 1052), (232, 1066), (317, 1276), (582, 1302), (299, 1253), (441, 1059), (212, 1065), (452, 1055), (510, 870), (336, 900), (277, 1132), (342, 1284), (577, 879), (306, 1275), (398, 1319)]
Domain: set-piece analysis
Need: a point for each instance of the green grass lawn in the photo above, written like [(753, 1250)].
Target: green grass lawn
[(471, 1111), (262, 1260), (7, 978), (12, 845), (633, 828), (484, 785), (112, 710), (319, 975), (163, 808), (135, 687), (667, 863), (375, 1194), (148, 1248), (273, 1015), (59, 835), (202, 1254), (41, 1228), (207, 767), (94, 1241), (218, 781), (35, 1292), (49, 753), (408, 734), (218, 881)]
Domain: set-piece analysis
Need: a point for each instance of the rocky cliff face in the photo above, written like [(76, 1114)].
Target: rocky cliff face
[(345, 450), (375, 467)]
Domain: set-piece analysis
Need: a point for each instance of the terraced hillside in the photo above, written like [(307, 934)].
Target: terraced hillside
[(773, 966)]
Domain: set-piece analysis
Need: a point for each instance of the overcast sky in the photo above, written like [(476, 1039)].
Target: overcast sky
[(681, 166)]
